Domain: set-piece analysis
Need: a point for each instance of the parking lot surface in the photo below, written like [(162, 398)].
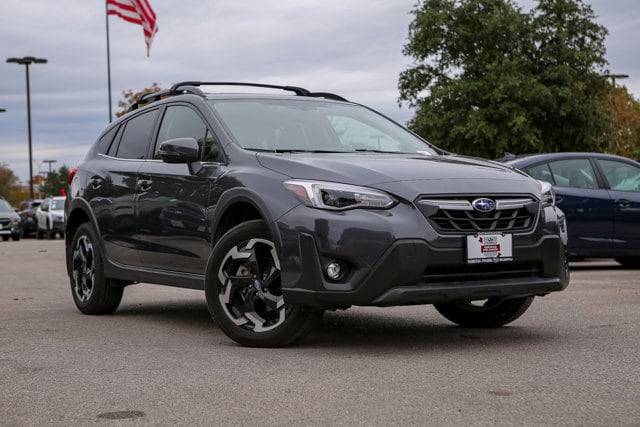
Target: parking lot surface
[(573, 358)]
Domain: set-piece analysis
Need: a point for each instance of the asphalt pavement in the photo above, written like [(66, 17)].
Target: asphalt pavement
[(573, 358)]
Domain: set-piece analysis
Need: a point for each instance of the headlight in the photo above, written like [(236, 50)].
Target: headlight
[(547, 195), (334, 196)]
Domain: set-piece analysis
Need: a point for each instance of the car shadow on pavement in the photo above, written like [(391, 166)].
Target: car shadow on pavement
[(354, 329), (368, 330), (187, 315)]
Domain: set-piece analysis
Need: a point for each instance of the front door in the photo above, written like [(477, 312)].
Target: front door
[(588, 207), (174, 198), (623, 179)]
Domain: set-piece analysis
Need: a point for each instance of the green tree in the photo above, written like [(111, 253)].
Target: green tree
[(55, 182), (489, 77), (129, 97)]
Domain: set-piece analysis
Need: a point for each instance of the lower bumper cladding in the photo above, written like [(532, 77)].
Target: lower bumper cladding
[(414, 272)]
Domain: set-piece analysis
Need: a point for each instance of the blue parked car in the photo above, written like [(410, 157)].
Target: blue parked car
[(600, 196)]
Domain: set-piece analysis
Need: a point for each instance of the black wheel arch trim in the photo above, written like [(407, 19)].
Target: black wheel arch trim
[(78, 203), (245, 195)]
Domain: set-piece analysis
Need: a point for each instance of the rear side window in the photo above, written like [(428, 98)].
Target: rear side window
[(574, 173), (105, 140), (541, 172), (136, 136)]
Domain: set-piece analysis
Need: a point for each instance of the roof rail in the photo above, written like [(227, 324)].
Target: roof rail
[(193, 87)]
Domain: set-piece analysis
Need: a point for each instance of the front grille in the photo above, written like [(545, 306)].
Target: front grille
[(4, 221), (475, 272), (457, 215)]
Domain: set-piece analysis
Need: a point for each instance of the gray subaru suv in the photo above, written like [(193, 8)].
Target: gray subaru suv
[(283, 206)]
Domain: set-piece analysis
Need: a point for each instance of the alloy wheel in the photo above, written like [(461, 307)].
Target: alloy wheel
[(84, 266), (249, 286)]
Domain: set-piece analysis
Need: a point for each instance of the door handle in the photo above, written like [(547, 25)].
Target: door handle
[(623, 203), (144, 184), (95, 182)]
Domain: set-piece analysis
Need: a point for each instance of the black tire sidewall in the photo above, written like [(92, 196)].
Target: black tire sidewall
[(507, 310), (102, 299), (299, 319)]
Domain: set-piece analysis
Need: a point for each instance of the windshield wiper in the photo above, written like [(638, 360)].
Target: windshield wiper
[(370, 150), (293, 150)]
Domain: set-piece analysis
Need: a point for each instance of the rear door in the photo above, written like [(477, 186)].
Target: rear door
[(586, 204), (173, 203), (112, 187), (623, 180)]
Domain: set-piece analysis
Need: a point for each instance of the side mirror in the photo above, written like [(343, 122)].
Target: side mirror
[(179, 150)]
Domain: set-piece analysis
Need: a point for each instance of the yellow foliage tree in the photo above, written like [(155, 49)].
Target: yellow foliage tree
[(625, 116)]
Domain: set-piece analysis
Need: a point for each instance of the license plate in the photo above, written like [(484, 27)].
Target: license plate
[(488, 248)]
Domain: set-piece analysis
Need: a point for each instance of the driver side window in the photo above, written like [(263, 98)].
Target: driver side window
[(621, 176), (183, 122)]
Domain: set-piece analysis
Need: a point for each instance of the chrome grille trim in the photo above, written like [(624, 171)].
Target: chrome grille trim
[(465, 205)]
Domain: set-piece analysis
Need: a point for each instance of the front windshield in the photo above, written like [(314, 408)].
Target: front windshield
[(57, 204), (5, 207), (314, 126)]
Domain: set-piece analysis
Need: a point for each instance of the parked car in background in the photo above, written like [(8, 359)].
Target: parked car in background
[(10, 223), (600, 196), (50, 218), (27, 213)]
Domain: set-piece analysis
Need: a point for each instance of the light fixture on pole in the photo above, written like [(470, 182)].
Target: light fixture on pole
[(613, 77), (26, 61)]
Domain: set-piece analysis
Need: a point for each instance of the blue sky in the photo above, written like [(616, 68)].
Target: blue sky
[(349, 47)]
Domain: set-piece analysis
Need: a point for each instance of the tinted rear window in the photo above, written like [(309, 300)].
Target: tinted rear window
[(105, 140), (136, 136)]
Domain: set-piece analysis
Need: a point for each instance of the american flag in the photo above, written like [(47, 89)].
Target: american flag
[(137, 12)]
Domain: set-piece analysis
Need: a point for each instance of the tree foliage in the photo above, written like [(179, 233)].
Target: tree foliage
[(625, 118), (129, 97), (10, 188), (56, 184), (489, 77)]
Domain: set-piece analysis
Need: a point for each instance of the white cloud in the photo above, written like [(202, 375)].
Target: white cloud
[(351, 47)]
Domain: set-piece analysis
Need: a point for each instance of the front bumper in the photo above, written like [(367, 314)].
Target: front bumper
[(397, 258)]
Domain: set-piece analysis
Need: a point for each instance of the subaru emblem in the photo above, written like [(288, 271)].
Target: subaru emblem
[(484, 205)]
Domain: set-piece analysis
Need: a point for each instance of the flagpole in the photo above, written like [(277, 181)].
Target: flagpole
[(106, 15)]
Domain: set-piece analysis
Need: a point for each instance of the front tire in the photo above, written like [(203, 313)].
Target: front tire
[(92, 292), (244, 293), (490, 313)]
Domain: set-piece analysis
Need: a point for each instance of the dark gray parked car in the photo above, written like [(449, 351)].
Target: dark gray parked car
[(10, 222), (280, 207)]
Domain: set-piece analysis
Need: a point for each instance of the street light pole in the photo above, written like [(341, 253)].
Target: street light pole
[(26, 61), (50, 163), (613, 77)]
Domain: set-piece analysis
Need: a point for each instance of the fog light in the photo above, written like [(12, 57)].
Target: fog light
[(334, 270)]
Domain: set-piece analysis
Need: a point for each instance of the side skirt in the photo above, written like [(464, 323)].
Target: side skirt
[(179, 279)]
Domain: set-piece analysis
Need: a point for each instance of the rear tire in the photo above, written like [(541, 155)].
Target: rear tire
[(494, 313), (629, 262), (39, 234), (92, 292), (15, 237), (244, 293)]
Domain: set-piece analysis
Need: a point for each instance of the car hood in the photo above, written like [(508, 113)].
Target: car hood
[(417, 172), (9, 215)]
